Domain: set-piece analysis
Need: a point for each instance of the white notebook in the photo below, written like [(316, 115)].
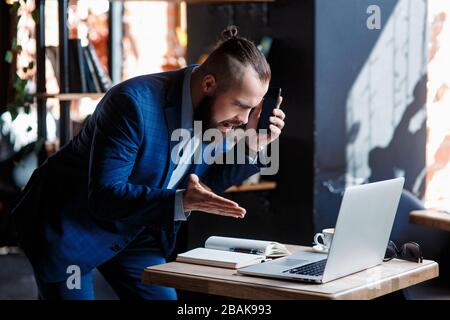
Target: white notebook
[(233, 253)]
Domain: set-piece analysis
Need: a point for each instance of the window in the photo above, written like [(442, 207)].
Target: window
[(438, 107)]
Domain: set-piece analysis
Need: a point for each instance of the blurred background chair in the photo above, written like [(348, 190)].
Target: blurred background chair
[(435, 245), (15, 171)]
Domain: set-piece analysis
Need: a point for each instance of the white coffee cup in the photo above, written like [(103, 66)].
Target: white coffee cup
[(326, 236)]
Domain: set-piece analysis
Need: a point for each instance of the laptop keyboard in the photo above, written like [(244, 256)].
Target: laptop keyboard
[(312, 269)]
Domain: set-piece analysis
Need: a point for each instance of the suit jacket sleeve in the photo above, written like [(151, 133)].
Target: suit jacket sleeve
[(220, 177), (117, 138)]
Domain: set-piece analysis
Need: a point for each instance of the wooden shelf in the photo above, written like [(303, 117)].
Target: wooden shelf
[(267, 185), (72, 96)]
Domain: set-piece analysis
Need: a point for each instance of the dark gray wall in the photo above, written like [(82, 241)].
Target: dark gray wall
[(343, 45), (284, 214)]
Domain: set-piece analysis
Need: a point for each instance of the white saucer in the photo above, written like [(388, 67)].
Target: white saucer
[(320, 248)]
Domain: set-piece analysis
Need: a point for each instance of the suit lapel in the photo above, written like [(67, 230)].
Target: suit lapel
[(173, 122), (172, 112)]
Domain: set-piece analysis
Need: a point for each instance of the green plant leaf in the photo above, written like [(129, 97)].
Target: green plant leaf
[(19, 84), (38, 146), (14, 43), (12, 109), (15, 8), (35, 15), (9, 56), (19, 87), (29, 98)]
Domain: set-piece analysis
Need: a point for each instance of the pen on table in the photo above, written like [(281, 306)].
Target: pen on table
[(243, 250)]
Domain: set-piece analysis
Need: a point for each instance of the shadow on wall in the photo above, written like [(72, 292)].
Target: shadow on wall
[(404, 155)]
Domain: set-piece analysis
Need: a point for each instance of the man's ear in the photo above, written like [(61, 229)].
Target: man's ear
[(209, 84)]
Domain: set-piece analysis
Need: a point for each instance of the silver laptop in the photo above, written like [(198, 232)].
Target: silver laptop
[(360, 239)]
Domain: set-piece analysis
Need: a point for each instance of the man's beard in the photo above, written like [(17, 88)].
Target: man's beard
[(204, 113)]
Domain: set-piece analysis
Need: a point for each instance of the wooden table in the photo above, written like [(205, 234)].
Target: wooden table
[(369, 284), (431, 218)]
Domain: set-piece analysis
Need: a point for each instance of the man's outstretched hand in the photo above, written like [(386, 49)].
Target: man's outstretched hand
[(199, 197)]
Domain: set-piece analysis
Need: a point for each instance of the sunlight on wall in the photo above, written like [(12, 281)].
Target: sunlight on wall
[(384, 92), (438, 107)]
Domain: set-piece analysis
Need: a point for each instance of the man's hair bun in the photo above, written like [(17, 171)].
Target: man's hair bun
[(230, 32), (232, 51)]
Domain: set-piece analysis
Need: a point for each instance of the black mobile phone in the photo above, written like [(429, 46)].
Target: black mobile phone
[(269, 103)]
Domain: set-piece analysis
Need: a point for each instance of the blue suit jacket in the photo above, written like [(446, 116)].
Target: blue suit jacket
[(97, 193)]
